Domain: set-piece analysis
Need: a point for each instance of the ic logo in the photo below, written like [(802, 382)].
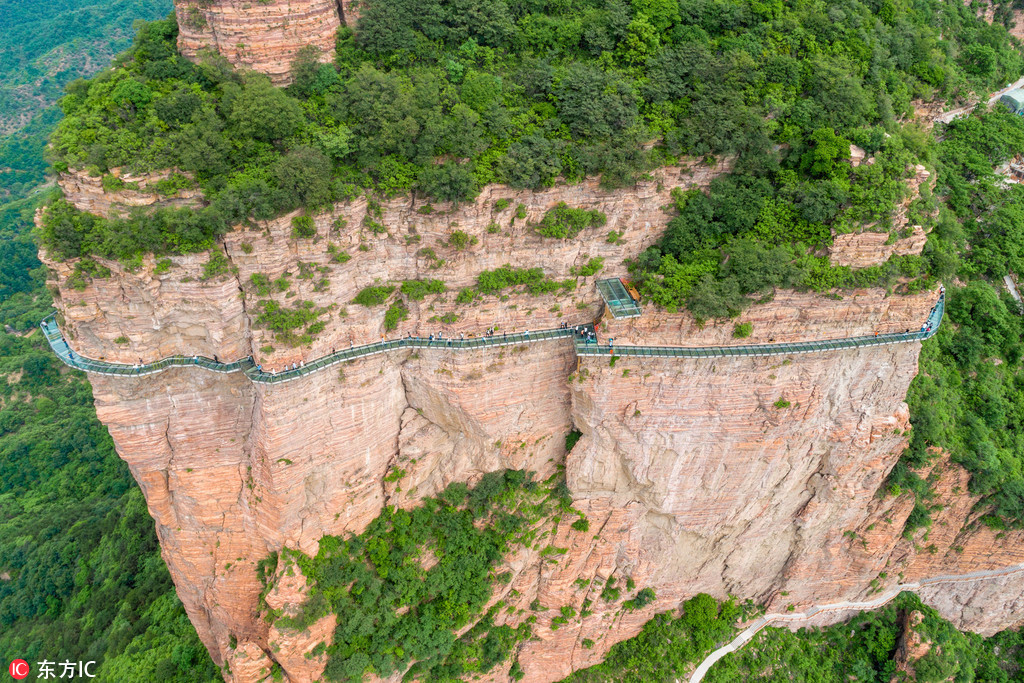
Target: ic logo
[(19, 669)]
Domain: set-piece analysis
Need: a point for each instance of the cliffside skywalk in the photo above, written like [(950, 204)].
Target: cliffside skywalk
[(583, 348), (929, 328)]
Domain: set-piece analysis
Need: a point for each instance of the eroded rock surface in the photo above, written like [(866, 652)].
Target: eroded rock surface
[(757, 477), (263, 35)]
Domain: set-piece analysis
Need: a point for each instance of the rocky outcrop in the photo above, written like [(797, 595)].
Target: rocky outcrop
[(184, 311), (868, 247), (756, 477), (863, 249), (293, 645), (1015, 16), (137, 315), (127, 192), (264, 35)]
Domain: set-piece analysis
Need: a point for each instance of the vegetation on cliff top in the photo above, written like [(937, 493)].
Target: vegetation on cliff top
[(525, 94)]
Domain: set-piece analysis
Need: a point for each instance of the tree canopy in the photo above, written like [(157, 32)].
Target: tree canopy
[(446, 97)]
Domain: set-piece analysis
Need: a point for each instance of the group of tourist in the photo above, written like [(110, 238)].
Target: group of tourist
[(589, 335)]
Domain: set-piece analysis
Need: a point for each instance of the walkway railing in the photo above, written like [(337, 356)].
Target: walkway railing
[(929, 328), (257, 374), (100, 367)]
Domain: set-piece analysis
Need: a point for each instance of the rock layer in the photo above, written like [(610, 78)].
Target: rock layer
[(264, 35), (751, 476), (180, 311), (87, 193)]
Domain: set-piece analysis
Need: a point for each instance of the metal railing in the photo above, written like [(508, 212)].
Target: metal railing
[(101, 367), (583, 348), (257, 374), (929, 328)]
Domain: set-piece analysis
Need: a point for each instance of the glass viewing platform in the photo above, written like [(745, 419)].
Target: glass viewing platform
[(618, 299)]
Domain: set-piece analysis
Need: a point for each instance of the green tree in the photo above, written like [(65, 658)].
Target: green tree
[(826, 153), (263, 112)]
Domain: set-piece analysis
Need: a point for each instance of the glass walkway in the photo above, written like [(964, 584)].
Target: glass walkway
[(583, 348), (256, 372), (99, 367), (618, 300), (928, 328)]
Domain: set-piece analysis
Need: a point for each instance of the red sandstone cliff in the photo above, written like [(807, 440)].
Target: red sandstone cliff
[(264, 35), (691, 476)]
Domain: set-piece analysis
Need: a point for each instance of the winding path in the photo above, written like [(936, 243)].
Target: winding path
[(747, 634), (256, 373)]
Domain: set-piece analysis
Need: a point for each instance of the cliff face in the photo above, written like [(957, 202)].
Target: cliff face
[(178, 311), (756, 476), (264, 35)]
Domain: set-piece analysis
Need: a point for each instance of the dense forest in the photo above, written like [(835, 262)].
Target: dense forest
[(44, 46)]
